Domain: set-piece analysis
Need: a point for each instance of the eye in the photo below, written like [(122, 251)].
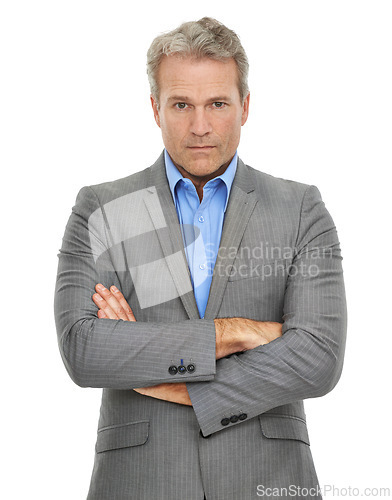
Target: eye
[(219, 105), (180, 105)]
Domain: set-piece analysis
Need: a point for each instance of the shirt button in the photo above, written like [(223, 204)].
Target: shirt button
[(201, 218), (202, 266)]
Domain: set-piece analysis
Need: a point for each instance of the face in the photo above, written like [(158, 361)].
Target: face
[(200, 113)]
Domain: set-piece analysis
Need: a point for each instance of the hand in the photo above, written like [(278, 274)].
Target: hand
[(112, 305), (174, 393), (241, 334)]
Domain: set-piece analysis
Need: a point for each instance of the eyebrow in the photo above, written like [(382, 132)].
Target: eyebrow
[(181, 98)]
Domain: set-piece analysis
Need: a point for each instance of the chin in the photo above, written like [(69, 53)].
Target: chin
[(202, 166), (202, 170)]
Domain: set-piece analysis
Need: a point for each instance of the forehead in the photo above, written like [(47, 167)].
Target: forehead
[(197, 77)]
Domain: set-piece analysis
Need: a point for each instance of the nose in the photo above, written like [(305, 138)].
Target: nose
[(200, 123)]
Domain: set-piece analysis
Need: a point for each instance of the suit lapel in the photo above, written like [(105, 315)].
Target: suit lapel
[(239, 209), (170, 237)]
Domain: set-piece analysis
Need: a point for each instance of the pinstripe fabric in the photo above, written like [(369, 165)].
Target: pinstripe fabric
[(276, 235)]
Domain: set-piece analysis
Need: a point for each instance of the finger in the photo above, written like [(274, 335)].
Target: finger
[(124, 304), (112, 302), (148, 391), (104, 307), (101, 314)]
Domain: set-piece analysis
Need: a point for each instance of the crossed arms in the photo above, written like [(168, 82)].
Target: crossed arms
[(232, 335), (305, 361)]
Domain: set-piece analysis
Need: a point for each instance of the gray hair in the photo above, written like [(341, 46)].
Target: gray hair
[(204, 38)]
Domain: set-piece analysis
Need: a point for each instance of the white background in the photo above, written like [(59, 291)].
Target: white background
[(75, 110)]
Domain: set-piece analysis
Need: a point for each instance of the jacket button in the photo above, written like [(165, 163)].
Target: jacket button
[(234, 419), (225, 421), (243, 416), (172, 370), (191, 368), (181, 369)]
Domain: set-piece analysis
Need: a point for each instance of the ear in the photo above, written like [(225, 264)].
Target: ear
[(245, 109), (155, 109)]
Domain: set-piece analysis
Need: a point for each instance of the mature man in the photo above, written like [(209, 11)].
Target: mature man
[(219, 300)]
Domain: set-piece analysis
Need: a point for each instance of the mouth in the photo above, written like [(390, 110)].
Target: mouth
[(201, 148)]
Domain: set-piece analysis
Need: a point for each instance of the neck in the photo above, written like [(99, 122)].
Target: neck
[(199, 181)]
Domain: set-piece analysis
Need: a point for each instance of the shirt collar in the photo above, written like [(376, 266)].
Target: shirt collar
[(174, 176)]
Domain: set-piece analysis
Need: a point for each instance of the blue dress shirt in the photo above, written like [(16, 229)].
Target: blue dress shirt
[(201, 223)]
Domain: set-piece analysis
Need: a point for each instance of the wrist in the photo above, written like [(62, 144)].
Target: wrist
[(229, 337)]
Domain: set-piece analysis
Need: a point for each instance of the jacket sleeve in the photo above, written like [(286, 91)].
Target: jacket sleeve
[(307, 360), (115, 353)]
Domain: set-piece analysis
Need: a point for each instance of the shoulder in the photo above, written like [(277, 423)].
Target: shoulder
[(108, 191), (299, 205), (278, 191), (297, 202), (292, 200), (116, 194)]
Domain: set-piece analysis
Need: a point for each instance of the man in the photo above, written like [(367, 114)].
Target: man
[(205, 297)]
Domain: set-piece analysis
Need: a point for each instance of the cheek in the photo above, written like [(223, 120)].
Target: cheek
[(173, 130), (229, 131)]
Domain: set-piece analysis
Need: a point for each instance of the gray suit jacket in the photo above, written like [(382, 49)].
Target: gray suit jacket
[(279, 260)]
